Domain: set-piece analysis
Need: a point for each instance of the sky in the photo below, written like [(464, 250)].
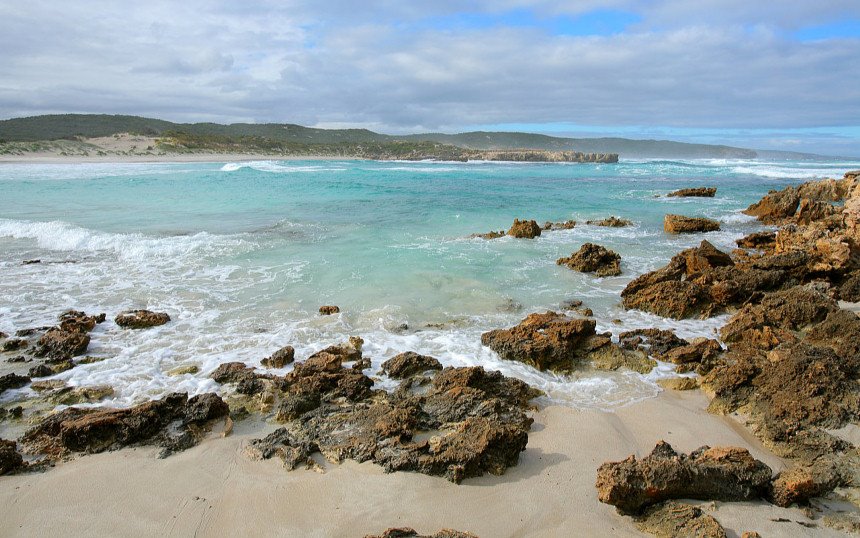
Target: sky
[(766, 74)]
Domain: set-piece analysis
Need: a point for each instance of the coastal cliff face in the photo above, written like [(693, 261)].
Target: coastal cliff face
[(527, 155)]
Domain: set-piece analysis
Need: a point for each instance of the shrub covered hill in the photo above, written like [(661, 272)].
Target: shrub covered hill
[(296, 139)]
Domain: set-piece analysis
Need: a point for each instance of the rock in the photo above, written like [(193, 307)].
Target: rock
[(800, 484), (705, 192), (280, 358), (591, 258), (564, 225), (489, 235), (141, 319), (679, 224), (10, 459), (679, 383), (14, 344), (760, 240), (721, 473), (524, 229), (59, 344), (849, 290), (48, 385), (31, 262), (12, 381), (41, 370), (185, 369), (328, 310), (676, 520), (611, 222), (703, 350), (173, 422), (612, 357), (79, 395), (751, 534), (408, 364), (80, 322), (547, 341), (656, 341), (407, 532), (810, 211), (704, 258), (775, 206)]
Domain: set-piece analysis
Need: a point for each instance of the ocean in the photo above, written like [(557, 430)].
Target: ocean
[(242, 255)]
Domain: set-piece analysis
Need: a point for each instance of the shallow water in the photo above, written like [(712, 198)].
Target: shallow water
[(241, 255)]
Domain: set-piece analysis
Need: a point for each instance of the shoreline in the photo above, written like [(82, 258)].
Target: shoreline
[(176, 158), (213, 489)]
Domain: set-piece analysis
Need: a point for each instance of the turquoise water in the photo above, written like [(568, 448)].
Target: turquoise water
[(242, 256)]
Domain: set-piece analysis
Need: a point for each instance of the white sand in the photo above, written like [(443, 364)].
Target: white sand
[(214, 490)]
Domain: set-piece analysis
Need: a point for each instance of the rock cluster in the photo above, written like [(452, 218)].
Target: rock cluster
[(327, 310), (679, 224), (524, 229), (563, 225), (703, 192), (591, 258), (611, 222)]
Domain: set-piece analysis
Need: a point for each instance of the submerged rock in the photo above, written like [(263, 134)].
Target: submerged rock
[(547, 341), (591, 258), (328, 310), (489, 235), (184, 370), (679, 224), (408, 364), (174, 423), (524, 229), (141, 319), (706, 192), (677, 520), (721, 473), (611, 222), (563, 225)]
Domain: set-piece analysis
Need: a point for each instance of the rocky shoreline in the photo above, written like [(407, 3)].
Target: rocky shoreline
[(787, 363)]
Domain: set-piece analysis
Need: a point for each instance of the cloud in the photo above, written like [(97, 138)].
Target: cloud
[(401, 66)]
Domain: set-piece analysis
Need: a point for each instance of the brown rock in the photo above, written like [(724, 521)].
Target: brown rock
[(612, 357), (141, 319), (10, 459), (611, 222), (722, 473), (679, 224), (591, 258), (14, 344), (704, 192), (76, 321), (408, 364), (656, 341), (679, 383), (59, 344), (760, 240), (489, 235), (524, 229), (280, 358), (800, 484), (849, 290), (407, 532), (677, 520), (775, 206), (547, 341), (328, 310)]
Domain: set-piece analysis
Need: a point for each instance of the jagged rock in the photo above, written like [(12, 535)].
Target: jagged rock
[(679, 383), (141, 319), (563, 225), (280, 358), (809, 211), (328, 310), (849, 290), (760, 240), (489, 235), (656, 341), (611, 222), (12, 381), (547, 341), (721, 473), (524, 229), (591, 258), (679, 224), (14, 344), (700, 355), (77, 321), (407, 532), (705, 192), (79, 395), (183, 370), (10, 459), (612, 357), (41, 370), (800, 484), (408, 364), (775, 206), (677, 520), (173, 422), (59, 344)]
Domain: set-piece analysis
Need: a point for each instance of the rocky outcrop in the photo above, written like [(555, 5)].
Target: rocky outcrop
[(328, 310), (591, 258), (679, 224), (280, 358), (12, 381), (547, 341), (10, 459), (703, 192), (611, 222), (759, 240), (174, 423), (524, 229), (563, 225), (408, 364), (722, 474), (141, 319), (672, 519)]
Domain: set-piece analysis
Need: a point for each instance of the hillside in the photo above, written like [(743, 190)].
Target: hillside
[(72, 126)]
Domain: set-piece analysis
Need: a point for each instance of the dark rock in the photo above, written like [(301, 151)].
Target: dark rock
[(10, 459), (280, 358), (676, 520), (328, 310), (80, 322), (173, 422), (564, 225), (23, 333), (408, 364), (14, 344), (547, 341), (59, 344), (31, 262), (141, 319), (407, 532), (591, 258), (849, 290), (611, 222), (760, 240), (41, 370), (722, 474), (705, 192), (12, 381), (524, 229), (656, 341), (679, 224)]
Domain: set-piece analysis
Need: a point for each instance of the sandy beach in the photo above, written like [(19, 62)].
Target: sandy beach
[(215, 490)]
